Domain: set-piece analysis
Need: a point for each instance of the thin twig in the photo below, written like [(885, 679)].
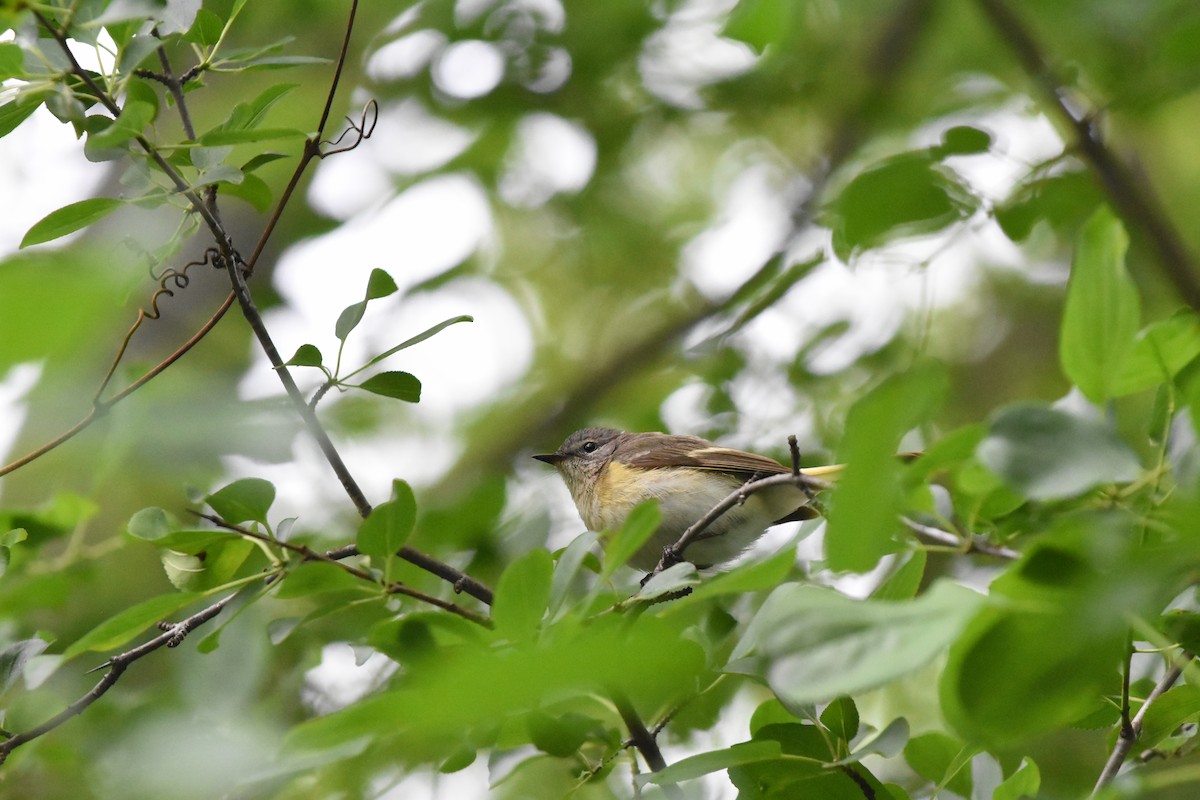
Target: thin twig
[(1128, 737), (308, 554), (674, 553), (1135, 199), (170, 637), (175, 87), (970, 544)]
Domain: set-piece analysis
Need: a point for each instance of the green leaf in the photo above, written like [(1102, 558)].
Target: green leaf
[(907, 195), (760, 23), (750, 577), (811, 643), (639, 526), (1025, 782), (1159, 353), (245, 500), (348, 320), (887, 742), (672, 579), (866, 502), (963, 140), (714, 761), (122, 627), (14, 657), (133, 119), (14, 112), (313, 578), (420, 337), (12, 61), (206, 30), (151, 524), (523, 594), (388, 527), (1176, 706), (1062, 201), (246, 116), (251, 188), (904, 583), (1102, 310), (222, 137), (380, 284), (69, 219), (399, 385), (840, 718), (570, 561), (1048, 454), (942, 760), (307, 355)]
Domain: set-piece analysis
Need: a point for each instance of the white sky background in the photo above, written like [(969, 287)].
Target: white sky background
[(438, 222)]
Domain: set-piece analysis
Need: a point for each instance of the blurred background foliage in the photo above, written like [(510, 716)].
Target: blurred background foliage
[(728, 219)]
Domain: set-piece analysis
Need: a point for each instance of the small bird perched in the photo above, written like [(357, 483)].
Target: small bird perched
[(609, 472)]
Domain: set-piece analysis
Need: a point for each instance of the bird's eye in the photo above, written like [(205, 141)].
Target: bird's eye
[(589, 447)]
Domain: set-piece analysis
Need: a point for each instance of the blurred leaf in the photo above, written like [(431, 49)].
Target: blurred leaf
[(220, 138), (809, 642), (313, 578), (69, 219), (1025, 782), (904, 582), (672, 579), (14, 657), (560, 735), (1102, 310), (906, 195), (886, 742), (399, 385), (1183, 628), (963, 140), (245, 500), (868, 497), (714, 761), (570, 560), (1159, 353), (1048, 454), (132, 120), (639, 526), (14, 112), (523, 595), (642, 658), (420, 337), (206, 30), (11, 61), (747, 577), (942, 760), (119, 629), (1063, 201), (760, 23), (251, 188), (388, 527)]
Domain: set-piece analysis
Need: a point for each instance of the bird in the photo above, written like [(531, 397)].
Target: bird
[(609, 472)]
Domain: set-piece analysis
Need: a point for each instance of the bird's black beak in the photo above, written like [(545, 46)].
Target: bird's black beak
[(549, 458)]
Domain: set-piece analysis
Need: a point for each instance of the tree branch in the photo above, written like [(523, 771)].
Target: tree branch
[(966, 544), (644, 741), (171, 636), (1134, 199), (308, 554), (1129, 734)]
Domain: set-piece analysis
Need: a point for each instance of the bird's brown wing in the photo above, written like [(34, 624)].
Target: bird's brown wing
[(650, 451)]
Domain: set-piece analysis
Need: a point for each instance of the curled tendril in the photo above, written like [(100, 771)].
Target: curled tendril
[(360, 131), (168, 281)]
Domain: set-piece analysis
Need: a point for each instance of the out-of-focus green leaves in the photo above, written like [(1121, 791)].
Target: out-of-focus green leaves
[(1059, 611), (715, 760), (812, 644), (868, 496), (1048, 454), (942, 760), (1061, 201), (907, 195), (14, 657), (1102, 312), (639, 526), (645, 659), (523, 594), (1026, 781)]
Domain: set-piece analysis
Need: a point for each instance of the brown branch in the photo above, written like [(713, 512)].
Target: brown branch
[(171, 636), (308, 554), (644, 741), (968, 544), (1129, 734), (1134, 199)]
